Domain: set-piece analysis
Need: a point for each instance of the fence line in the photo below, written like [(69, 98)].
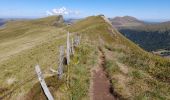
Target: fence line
[(70, 49)]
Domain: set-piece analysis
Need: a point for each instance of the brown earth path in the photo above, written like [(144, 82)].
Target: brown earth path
[(100, 85)]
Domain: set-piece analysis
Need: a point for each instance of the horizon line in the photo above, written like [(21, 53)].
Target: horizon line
[(35, 17)]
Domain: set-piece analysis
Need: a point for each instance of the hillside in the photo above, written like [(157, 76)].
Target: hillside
[(131, 72), (5, 20), (151, 37), (21, 34)]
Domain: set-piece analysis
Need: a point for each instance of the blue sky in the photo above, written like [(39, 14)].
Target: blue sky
[(142, 9)]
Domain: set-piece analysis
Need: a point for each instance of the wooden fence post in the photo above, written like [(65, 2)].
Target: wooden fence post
[(77, 40), (68, 48), (43, 84), (61, 59), (72, 47)]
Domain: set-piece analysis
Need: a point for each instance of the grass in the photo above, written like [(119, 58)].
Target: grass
[(22, 35), (36, 92), (23, 45), (22, 69), (139, 83), (20, 66), (79, 72)]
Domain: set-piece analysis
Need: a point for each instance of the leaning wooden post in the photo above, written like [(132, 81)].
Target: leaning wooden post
[(68, 48), (61, 59), (43, 84)]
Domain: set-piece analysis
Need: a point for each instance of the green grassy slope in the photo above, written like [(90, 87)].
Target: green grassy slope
[(23, 44), (21, 35), (135, 73), (37, 42)]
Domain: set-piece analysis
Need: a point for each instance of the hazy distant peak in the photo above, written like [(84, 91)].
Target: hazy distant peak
[(126, 21), (2, 21)]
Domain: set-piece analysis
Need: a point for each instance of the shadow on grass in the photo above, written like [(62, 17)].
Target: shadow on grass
[(37, 93)]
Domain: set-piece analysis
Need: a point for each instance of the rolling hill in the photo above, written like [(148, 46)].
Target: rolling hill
[(5, 20), (132, 72)]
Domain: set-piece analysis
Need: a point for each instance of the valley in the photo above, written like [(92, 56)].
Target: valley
[(149, 36)]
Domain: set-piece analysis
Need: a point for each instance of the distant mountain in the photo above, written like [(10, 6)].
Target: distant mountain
[(71, 20), (5, 20), (126, 21), (2, 21)]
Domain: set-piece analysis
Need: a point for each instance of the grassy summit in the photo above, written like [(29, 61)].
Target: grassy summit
[(134, 73)]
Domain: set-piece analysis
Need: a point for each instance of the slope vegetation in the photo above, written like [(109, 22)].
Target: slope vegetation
[(24, 44)]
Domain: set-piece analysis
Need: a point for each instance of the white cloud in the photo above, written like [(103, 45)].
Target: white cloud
[(49, 13), (62, 11)]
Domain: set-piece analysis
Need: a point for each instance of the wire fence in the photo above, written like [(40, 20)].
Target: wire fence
[(60, 70)]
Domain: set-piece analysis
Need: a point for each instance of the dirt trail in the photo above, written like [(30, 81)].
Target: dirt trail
[(100, 84)]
